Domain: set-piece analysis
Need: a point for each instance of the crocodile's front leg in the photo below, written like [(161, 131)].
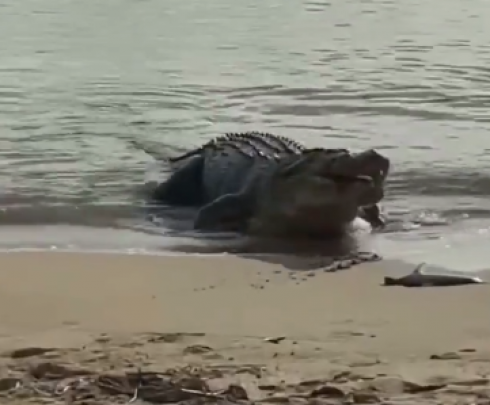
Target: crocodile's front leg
[(183, 187), (228, 212)]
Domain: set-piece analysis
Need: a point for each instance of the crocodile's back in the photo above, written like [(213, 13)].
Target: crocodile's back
[(231, 159)]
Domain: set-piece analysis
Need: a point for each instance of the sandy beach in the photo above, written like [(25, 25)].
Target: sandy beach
[(71, 322)]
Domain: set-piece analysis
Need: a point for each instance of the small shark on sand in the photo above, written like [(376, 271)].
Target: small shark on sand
[(420, 279)]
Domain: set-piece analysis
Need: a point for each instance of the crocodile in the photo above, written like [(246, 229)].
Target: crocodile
[(267, 185), (223, 176)]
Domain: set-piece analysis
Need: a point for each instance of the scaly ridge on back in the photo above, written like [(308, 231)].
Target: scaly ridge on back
[(249, 144), (265, 141)]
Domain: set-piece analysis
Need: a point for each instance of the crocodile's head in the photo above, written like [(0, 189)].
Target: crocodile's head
[(369, 166), (320, 192)]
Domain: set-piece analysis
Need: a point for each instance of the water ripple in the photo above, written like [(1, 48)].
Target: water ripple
[(77, 81)]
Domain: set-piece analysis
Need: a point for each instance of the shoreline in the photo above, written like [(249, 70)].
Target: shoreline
[(392, 266), (454, 252)]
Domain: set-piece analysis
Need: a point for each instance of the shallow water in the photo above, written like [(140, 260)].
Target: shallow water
[(78, 80)]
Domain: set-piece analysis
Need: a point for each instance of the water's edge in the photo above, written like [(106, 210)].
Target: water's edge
[(468, 256)]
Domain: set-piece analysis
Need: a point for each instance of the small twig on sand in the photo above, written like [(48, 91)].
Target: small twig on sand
[(135, 396), (203, 394), (40, 391), (138, 386)]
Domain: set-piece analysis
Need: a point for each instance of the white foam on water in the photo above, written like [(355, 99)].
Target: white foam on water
[(454, 248), (461, 247), (361, 226)]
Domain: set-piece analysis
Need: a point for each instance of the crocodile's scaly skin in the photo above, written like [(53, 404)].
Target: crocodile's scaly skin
[(230, 161), (224, 165), (245, 165), (251, 144)]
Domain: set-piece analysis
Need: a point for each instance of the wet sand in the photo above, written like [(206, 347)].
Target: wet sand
[(346, 337)]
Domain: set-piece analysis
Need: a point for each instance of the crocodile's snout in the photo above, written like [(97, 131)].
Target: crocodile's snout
[(369, 164)]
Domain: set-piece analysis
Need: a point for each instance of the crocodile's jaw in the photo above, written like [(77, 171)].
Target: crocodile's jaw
[(372, 215)]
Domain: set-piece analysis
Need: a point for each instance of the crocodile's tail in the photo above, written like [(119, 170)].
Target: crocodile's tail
[(158, 154), (186, 155)]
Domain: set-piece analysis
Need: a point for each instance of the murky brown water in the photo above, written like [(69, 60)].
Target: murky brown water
[(79, 79)]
